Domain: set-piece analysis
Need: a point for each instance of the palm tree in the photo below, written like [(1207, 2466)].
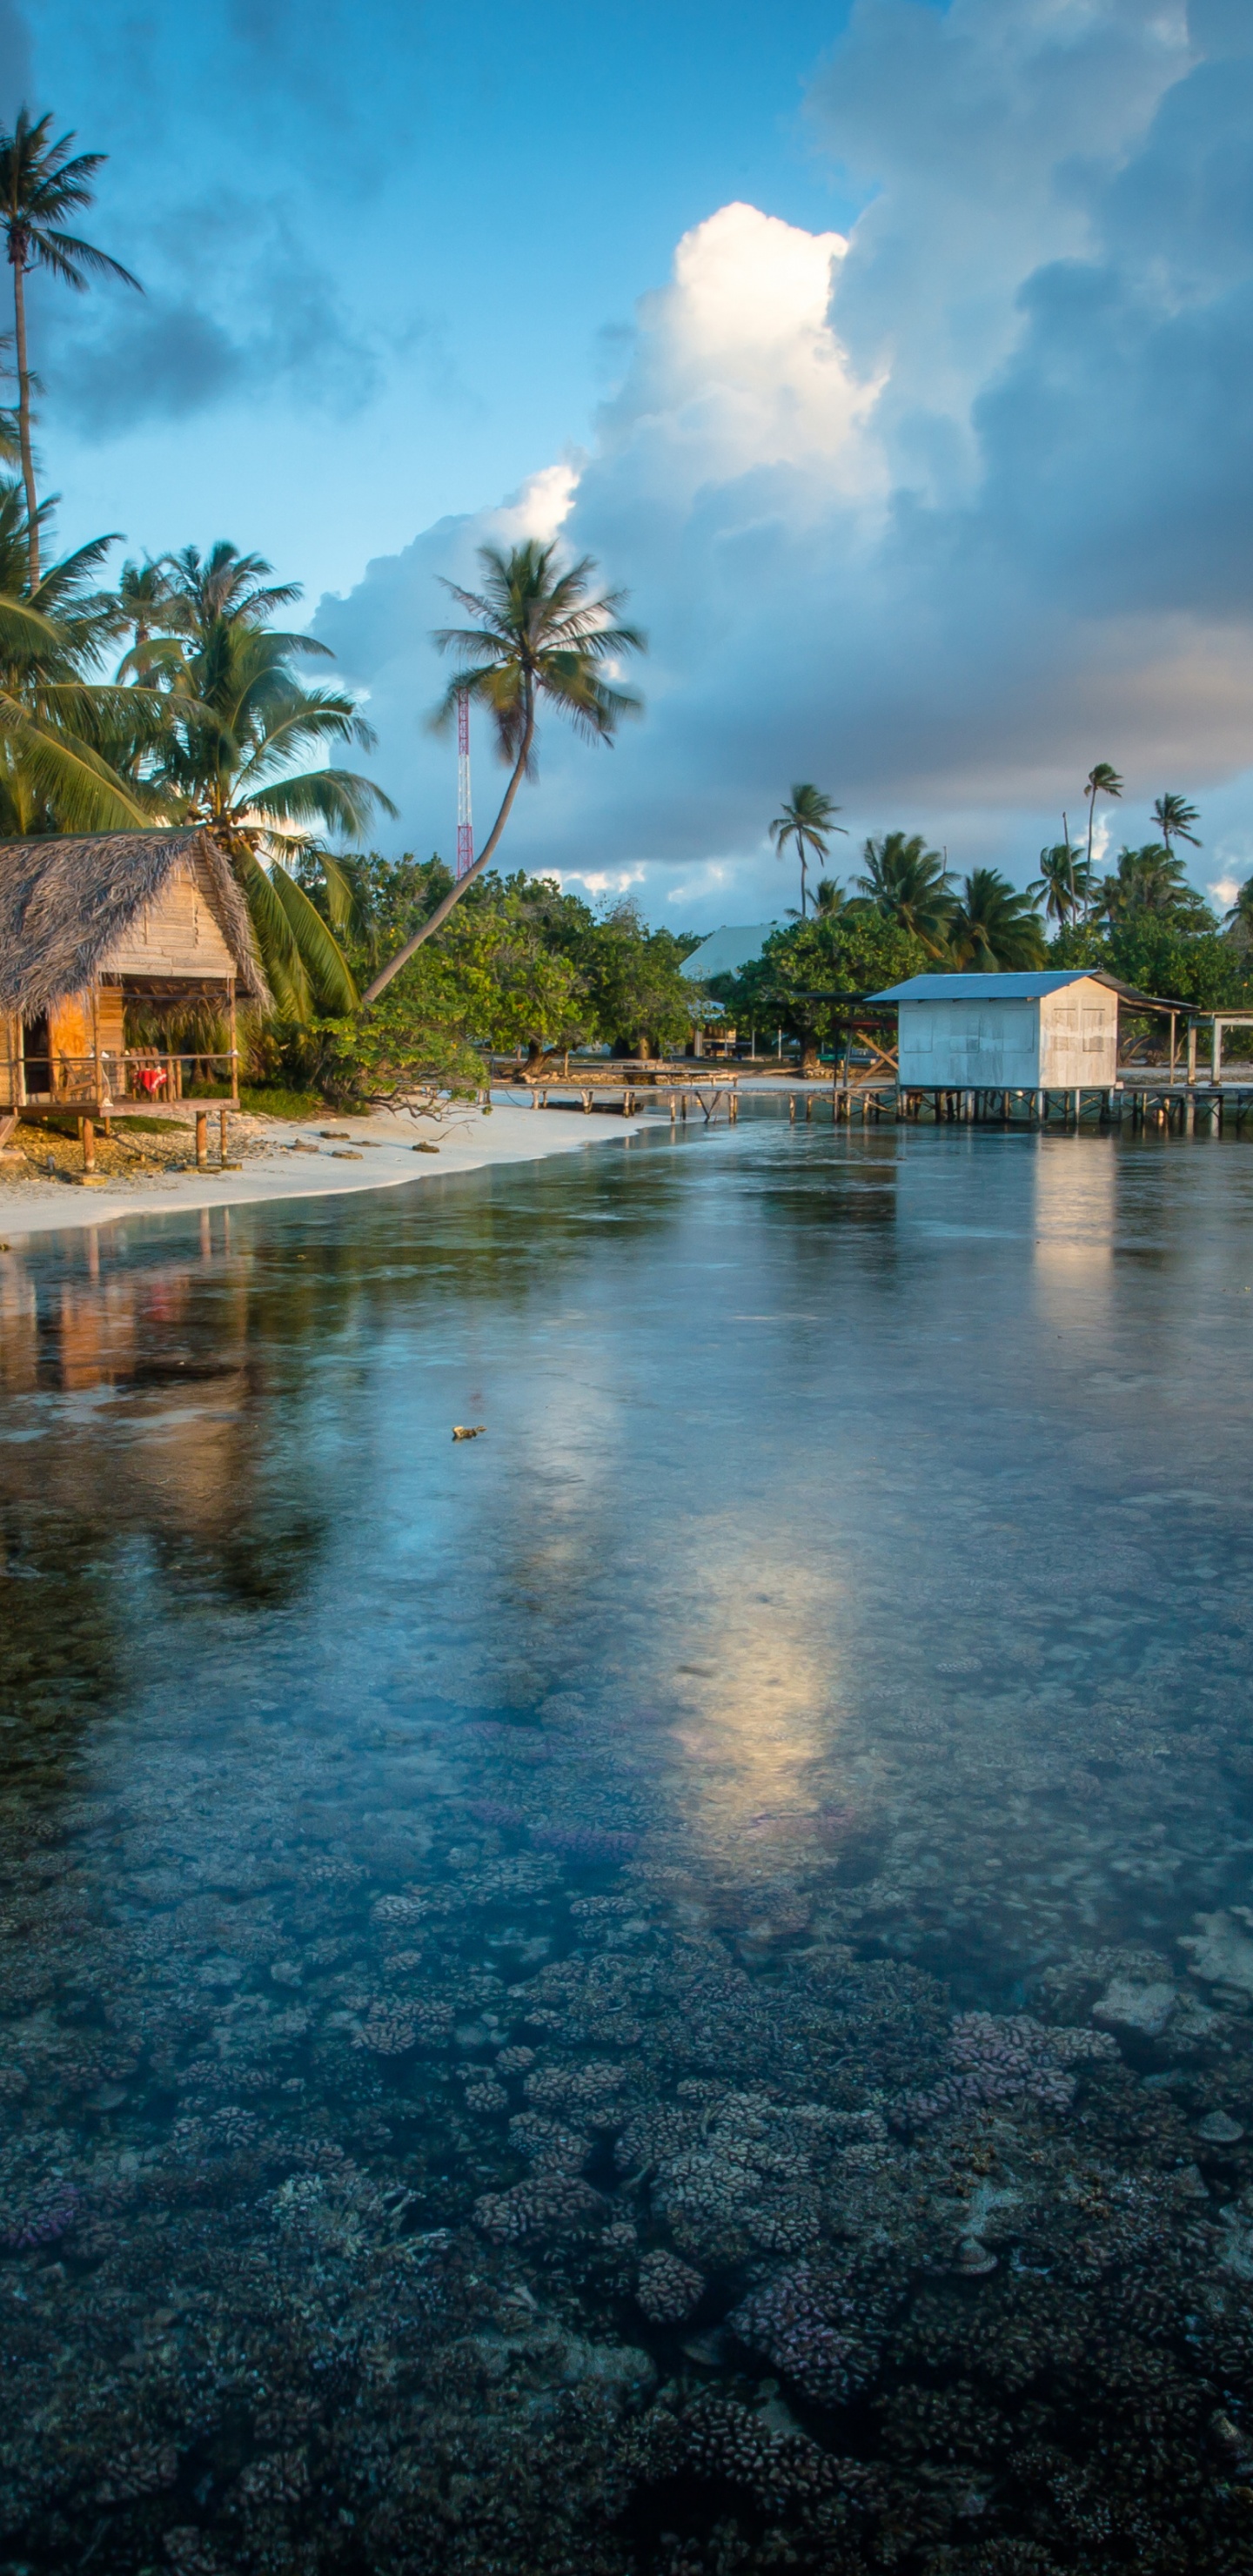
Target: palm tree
[(69, 743), (237, 717), (40, 184), (992, 927), (1174, 818), (1102, 781), (539, 635), (143, 593), (1240, 917), (1152, 880), (807, 820), (1063, 882), (829, 899), (909, 884)]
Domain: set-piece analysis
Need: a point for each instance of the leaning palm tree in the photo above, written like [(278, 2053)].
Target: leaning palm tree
[(992, 928), (539, 636), (807, 820), (1102, 780), (909, 884), (1063, 883), (237, 719), (40, 184), (1174, 818)]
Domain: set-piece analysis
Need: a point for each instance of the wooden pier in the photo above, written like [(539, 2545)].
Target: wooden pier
[(1144, 1101), (622, 1089)]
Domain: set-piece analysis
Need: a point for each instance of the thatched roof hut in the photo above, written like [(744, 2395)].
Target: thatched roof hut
[(91, 922), (66, 907)]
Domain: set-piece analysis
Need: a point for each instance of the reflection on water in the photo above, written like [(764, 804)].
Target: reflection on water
[(670, 1989)]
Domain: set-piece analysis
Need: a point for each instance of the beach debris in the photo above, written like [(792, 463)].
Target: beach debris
[(468, 1430), (426, 1149), (346, 1154), (334, 1135)]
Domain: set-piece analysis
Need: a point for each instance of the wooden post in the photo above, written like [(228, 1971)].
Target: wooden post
[(809, 1106), (1218, 1051), (89, 1146), (225, 1148), (1174, 1023), (1191, 1054), (202, 1140), (230, 1012), (95, 1040), (673, 1109)]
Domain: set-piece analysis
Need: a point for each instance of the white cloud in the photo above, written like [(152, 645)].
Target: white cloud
[(937, 514)]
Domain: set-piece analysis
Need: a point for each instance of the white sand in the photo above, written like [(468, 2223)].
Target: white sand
[(467, 1140)]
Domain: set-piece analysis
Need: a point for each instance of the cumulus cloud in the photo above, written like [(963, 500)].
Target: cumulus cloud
[(936, 515)]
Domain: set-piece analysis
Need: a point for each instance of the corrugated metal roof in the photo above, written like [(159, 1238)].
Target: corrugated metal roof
[(725, 951), (984, 988)]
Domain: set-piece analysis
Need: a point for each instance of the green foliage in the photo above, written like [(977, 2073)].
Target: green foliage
[(635, 996), (519, 965), (992, 929), (909, 884), (1201, 968), (1152, 881)]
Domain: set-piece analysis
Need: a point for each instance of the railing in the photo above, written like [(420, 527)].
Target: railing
[(135, 1073)]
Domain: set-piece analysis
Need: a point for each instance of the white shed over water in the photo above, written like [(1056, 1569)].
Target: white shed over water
[(1054, 1032)]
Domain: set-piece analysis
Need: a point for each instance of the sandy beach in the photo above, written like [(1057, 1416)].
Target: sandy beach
[(291, 1159)]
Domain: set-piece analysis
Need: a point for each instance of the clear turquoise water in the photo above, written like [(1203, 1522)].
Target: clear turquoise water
[(839, 1629)]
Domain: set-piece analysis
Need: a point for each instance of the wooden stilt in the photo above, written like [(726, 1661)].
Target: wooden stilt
[(230, 1011), (89, 1144), (202, 1140), (225, 1145)]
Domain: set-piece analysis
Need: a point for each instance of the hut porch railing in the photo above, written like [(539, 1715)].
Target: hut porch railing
[(100, 1081)]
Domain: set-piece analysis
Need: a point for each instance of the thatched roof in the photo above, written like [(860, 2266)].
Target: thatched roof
[(64, 904)]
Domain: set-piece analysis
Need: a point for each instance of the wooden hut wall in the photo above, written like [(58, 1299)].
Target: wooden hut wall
[(177, 934)]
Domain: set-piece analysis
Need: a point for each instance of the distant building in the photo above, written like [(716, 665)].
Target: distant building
[(726, 951), (1053, 1032)]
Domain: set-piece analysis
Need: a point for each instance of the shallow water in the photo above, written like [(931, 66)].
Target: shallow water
[(666, 1988)]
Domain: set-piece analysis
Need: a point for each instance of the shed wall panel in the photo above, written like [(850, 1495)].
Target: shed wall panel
[(970, 1045), (1079, 1037)]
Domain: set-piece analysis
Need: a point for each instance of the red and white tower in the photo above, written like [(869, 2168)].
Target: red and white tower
[(465, 820)]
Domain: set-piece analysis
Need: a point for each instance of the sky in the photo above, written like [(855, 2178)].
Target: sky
[(896, 357)]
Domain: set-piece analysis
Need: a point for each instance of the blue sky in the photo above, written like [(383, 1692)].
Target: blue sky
[(899, 358)]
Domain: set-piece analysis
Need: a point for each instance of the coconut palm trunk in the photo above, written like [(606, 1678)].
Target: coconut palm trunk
[(23, 421), (435, 920)]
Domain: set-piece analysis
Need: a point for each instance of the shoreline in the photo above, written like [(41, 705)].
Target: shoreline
[(466, 1140)]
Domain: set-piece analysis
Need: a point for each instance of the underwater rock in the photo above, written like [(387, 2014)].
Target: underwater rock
[(1218, 2131), (1222, 1955), (1142, 2011)]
